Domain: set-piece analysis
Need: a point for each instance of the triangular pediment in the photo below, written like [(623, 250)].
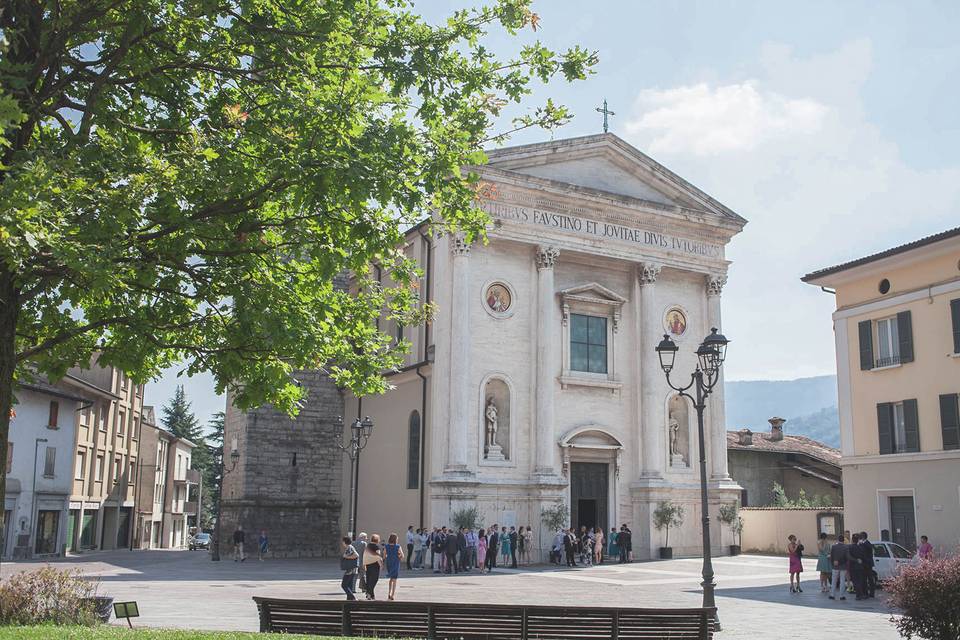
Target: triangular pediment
[(595, 292), (607, 165)]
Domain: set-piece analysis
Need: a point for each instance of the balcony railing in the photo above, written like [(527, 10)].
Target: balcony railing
[(192, 476), (190, 508), (889, 361)]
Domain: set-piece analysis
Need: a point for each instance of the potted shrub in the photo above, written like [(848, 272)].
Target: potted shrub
[(666, 516), (468, 518), (730, 515), (925, 595)]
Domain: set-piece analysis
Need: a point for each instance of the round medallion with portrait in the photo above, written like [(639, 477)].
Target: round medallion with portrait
[(675, 321), (498, 298)]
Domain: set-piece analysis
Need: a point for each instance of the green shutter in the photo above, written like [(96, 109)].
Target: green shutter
[(866, 345), (911, 425), (955, 313), (885, 426), (950, 420), (905, 333)]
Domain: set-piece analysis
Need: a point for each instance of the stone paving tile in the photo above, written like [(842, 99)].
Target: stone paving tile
[(186, 590)]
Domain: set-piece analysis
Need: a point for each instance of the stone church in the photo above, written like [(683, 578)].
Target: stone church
[(537, 382)]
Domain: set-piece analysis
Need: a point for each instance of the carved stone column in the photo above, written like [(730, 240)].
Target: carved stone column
[(546, 256), (718, 420), (460, 396), (652, 423)]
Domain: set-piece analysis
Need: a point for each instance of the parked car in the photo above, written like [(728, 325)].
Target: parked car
[(889, 557), (200, 541)]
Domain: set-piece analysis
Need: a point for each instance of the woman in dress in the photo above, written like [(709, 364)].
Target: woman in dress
[(613, 551), (393, 555), (482, 549), (505, 546), (528, 544), (372, 564), (794, 550), (823, 563), (597, 545)]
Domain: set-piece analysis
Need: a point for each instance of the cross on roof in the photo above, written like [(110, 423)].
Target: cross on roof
[(606, 112)]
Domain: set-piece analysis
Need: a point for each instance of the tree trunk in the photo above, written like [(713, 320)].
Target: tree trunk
[(9, 309)]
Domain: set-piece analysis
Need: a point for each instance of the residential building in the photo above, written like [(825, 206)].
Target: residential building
[(107, 448), (39, 469), (757, 460), (897, 332), (163, 487)]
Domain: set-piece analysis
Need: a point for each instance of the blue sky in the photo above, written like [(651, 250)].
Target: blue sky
[(831, 127)]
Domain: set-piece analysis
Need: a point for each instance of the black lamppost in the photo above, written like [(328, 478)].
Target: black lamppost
[(360, 431), (710, 355), (234, 459)]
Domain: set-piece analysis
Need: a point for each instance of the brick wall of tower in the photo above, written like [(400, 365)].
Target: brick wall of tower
[(288, 480)]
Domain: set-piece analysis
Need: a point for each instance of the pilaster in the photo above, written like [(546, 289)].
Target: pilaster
[(652, 427), (546, 257)]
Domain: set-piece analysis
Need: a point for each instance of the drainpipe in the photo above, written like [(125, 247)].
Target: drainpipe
[(423, 381)]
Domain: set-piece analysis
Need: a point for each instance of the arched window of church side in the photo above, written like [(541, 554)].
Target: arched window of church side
[(413, 451)]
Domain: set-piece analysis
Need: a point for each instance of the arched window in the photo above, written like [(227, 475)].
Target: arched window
[(413, 451)]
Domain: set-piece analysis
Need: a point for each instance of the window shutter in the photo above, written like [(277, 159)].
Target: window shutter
[(54, 414), (866, 345), (955, 313), (950, 420), (911, 425), (905, 333), (885, 426)]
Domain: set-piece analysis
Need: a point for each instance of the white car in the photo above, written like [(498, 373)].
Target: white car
[(889, 557)]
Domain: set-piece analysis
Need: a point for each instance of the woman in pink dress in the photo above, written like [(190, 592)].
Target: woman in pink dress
[(481, 549), (794, 550)]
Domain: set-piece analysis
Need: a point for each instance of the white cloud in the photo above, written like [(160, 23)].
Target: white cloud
[(705, 120), (795, 153)]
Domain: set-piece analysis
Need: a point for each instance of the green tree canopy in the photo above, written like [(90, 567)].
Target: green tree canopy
[(180, 180)]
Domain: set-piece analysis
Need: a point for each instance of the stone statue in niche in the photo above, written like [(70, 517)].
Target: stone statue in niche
[(679, 432), (496, 421)]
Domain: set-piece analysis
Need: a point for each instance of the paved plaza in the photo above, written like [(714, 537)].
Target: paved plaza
[(186, 590)]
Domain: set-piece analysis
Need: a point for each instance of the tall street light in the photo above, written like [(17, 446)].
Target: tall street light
[(360, 431), (710, 356), (35, 508), (234, 459)]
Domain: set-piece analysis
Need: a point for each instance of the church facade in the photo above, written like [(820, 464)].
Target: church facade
[(537, 382)]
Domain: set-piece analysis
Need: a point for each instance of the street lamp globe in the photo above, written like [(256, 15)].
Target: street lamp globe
[(712, 352), (235, 457), (667, 350), (367, 426)]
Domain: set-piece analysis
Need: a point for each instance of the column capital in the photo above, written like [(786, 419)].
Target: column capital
[(546, 256), (647, 272), (715, 282), (459, 245)]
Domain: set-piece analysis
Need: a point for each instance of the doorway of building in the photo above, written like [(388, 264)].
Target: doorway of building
[(46, 535), (589, 486), (902, 521)]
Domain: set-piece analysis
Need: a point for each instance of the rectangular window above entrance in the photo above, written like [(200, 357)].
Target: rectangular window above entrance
[(588, 343)]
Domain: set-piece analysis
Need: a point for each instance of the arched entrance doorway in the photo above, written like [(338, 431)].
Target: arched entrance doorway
[(591, 463)]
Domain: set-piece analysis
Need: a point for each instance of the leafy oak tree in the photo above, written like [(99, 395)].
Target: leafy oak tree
[(180, 180)]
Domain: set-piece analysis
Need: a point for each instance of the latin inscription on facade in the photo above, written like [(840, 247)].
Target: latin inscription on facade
[(599, 229)]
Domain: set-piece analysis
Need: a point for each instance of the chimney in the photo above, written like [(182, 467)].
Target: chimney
[(746, 437), (776, 429)]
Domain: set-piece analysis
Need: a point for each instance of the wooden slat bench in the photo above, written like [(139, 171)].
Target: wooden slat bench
[(449, 621)]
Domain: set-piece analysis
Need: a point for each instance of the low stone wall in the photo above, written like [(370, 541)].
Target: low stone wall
[(765, 529)]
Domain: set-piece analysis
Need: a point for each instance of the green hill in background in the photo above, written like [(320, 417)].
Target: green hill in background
[(808, 404)]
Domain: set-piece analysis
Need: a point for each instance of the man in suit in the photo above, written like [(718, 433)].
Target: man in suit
[(870, 581), (624, 542), (462, 549), (493, 543), (452, 547), (513, 547), (570, 547), (410, 543), (857, 574)]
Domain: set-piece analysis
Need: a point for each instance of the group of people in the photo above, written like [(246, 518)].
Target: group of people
[(367, 560), (846, 566), (240, 538), (448, 550), (462, 549), (587, 546)]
